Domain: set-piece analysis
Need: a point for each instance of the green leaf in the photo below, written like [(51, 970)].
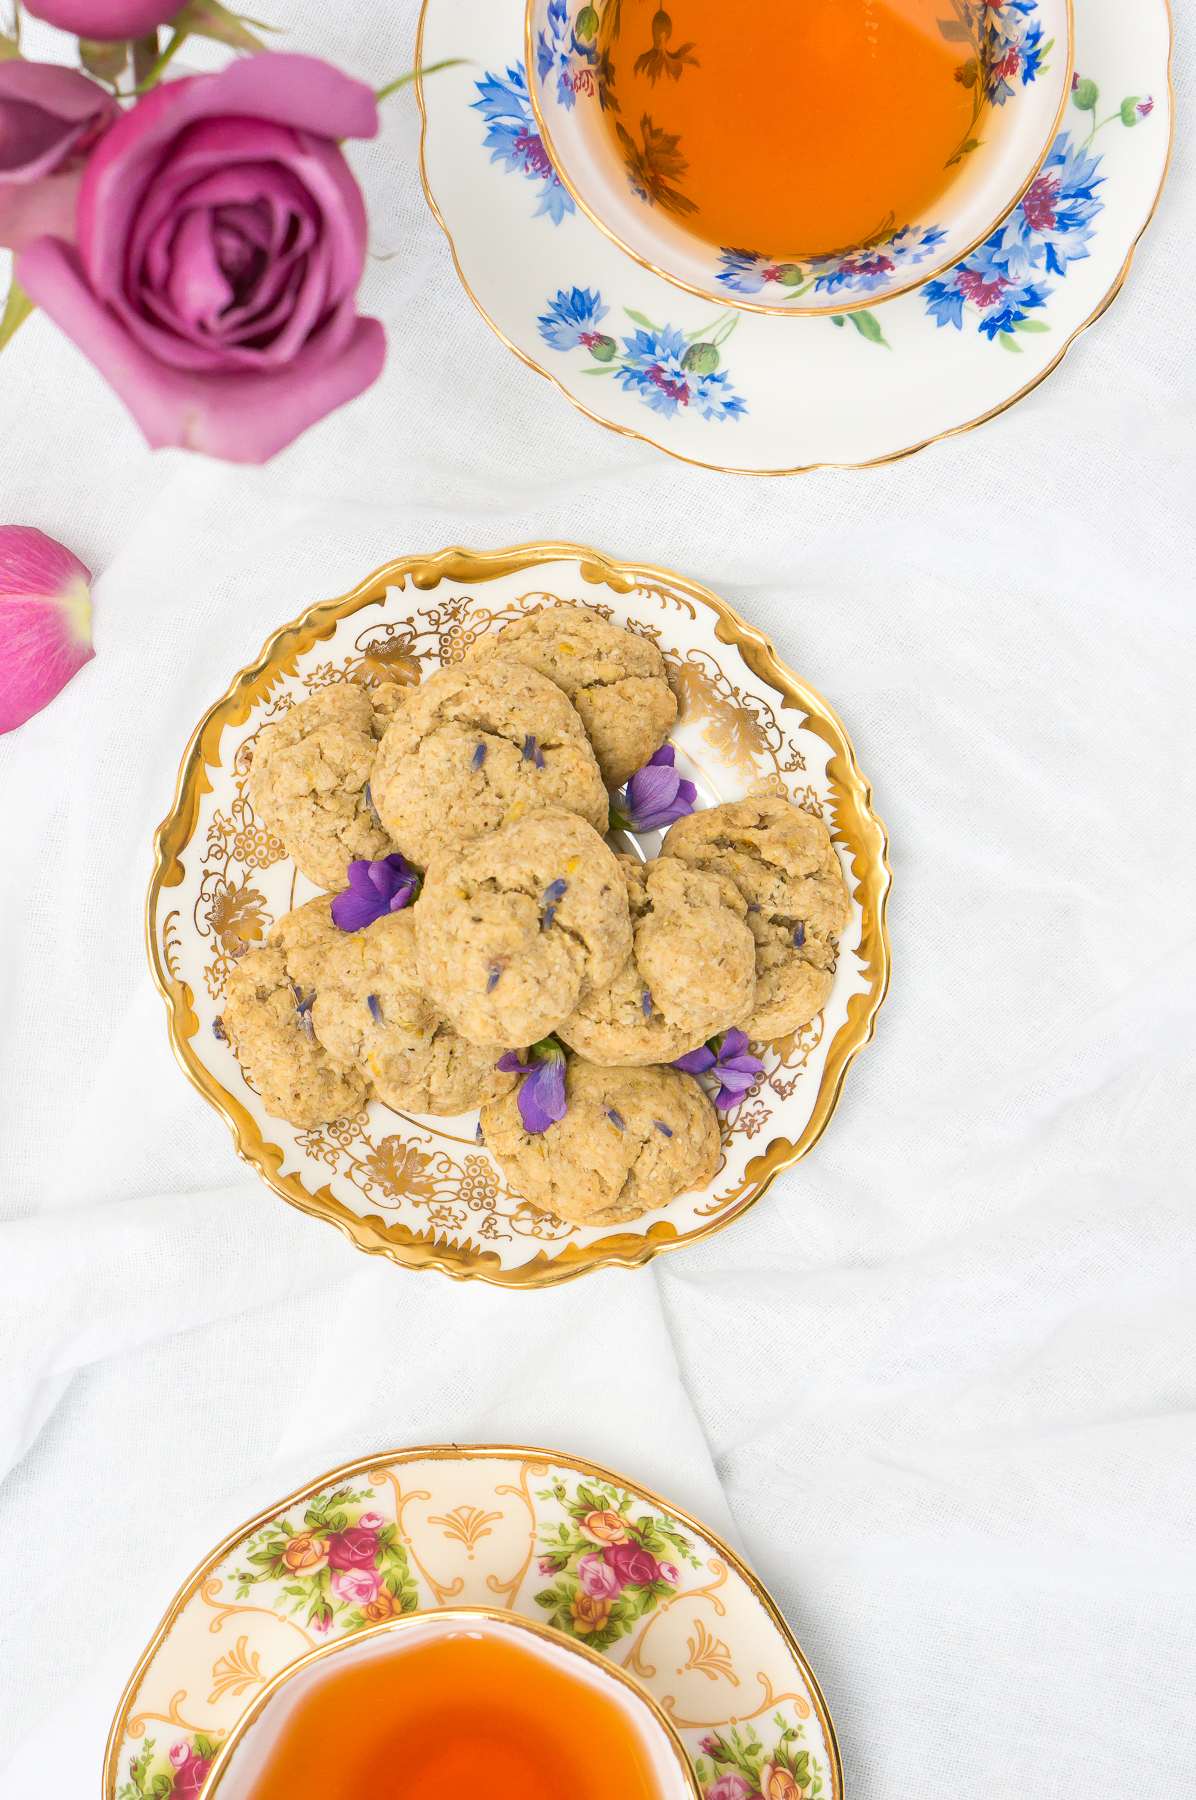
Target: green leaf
[(17, 309), (162, 1784), (1030, 325), (207, 18), (1007, 343), (637, 319), (868, 326), (107, 62), (839, 320), (548, 1598)]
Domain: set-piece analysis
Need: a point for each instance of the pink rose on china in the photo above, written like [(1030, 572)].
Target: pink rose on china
[(200, 239), (598, 1578), (357, 1587)]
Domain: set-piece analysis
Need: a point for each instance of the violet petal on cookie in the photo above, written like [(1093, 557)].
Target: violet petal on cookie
[(735, 1069), (696, 1062), (656, 796), (375, 889), (799, 933), (542, 1092)]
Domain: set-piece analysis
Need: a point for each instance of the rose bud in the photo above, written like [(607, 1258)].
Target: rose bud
[(109, 21), (50, 117), (45, 621)]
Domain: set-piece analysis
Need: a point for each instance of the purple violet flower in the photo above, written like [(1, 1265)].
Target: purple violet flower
[(531, 753), (731, 1065), (799, 933), (542, 1093), (375, 889), (655, 797)]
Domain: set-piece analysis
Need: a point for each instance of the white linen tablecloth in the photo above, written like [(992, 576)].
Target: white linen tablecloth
[(940, 1383)]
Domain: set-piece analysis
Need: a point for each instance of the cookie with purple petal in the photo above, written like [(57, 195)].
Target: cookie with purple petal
[(476, 747), (309, 782), (630, 1140), (514, 927), (373, 1012), (267, 1019), (615, 678), (691, 973), (781, 859)]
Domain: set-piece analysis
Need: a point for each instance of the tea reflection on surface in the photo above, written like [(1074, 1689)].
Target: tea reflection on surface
[(796, 128)]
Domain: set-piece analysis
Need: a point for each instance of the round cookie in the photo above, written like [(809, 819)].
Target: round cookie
[(309, 779), (269, 1026), (630, 1141), (783, 863), (372, 1011), (474, 747), (692, 970), (615, 678), (514, 927)]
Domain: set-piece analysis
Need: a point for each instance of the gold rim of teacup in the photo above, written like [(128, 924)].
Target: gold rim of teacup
[(446, 1616), (925, 272)]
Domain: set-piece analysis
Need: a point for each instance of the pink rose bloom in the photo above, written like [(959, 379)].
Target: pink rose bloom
[(370, 1522), (729, 1787), (357, 1587), (598, 1578), (633, 1566), (107, 20), (179, 1754), (221, 238), (191, 1776), (670, 1572), (353, 1549), (49, 118)]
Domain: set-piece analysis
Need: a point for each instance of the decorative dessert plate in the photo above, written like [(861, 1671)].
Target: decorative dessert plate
[(420, 1190), (558, 1541), (756, 393)]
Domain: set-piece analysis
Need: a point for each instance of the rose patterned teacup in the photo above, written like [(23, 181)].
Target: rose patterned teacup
[(1015, 60), (436, 1701)]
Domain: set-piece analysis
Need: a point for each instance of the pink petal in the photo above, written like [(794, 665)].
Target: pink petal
[(241, 416), (45, 621), (44, 208)]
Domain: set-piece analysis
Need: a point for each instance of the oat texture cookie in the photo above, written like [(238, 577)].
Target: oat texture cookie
[(372, 1011), (514, 927), (615, 678), (267, 1020), (783, 863), (474, 747), (630, 1141), (309, 782), (692, 970)]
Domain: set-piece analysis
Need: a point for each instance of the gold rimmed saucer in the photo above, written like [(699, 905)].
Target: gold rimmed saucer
[(421, 1191), (521, 1529)]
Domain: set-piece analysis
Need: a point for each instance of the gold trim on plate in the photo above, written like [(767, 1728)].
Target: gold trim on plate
[(532, 1456), (790, 312), (875, 462), (857, 825)]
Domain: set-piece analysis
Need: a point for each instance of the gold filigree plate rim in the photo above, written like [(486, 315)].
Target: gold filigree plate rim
[(858, 827), (924, 274), (467, 1615), (533, 1455), (875, 462)]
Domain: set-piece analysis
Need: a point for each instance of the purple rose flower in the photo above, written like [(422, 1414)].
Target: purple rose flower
[(50, 117), (732, 1066), (598, 1578), (353, 1549), (670, 1572), (179, 1754), (375, 889), (655, 797), (542, 1092), (221, 239), (634, 1566)]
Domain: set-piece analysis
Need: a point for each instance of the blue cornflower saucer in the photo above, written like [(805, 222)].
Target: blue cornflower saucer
[(760, 393)]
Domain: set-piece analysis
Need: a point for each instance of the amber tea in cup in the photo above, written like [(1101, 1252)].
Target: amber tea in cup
[(798, 126), (454, 1703)]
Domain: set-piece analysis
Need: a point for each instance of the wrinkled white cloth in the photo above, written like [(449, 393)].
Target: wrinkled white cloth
[(940, 1383)]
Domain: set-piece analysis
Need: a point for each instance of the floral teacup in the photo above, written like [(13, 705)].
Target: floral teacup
[(1015, 56), (329, 1692)]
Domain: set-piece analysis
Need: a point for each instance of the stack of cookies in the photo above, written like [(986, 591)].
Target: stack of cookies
[(483, 792)]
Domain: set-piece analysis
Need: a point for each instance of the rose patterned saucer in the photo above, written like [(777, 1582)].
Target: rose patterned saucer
[(549, 1538), (759, 393), (422, 1191)]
